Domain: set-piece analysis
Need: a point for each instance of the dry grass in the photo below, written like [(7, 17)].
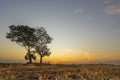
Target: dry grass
[(60, 72)]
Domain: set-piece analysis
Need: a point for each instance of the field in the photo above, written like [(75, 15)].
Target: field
[(59, 72)]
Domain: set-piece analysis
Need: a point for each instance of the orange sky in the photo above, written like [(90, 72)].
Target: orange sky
[(15, 53)]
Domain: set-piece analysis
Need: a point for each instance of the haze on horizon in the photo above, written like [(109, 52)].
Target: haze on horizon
[(84, 31)]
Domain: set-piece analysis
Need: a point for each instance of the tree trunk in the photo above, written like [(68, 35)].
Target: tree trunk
[(30, 59), (41, 59)]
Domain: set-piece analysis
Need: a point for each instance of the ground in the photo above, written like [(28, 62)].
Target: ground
[(59, 72)]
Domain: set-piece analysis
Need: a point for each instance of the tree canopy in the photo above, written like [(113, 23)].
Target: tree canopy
[(23, 36), (31, 38), (41, 45)]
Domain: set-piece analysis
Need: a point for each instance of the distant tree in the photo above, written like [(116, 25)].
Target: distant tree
[(41, 45), (23, 35)]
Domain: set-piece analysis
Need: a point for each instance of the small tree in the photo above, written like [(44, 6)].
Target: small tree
[(24, 36), (41, 45), (42, 51), (30, 55)]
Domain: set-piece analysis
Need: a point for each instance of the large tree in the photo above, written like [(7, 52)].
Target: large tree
[(23, 35), (41, 45)]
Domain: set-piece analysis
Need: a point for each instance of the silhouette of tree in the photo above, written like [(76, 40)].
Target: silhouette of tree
[(23, 35), (41, 45), (31, 55)]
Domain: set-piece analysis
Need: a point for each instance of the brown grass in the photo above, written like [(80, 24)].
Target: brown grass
[(60, 72)]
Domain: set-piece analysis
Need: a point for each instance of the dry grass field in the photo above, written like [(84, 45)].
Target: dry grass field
[(59, 72)]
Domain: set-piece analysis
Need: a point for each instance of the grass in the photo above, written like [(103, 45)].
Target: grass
[(59, 72)]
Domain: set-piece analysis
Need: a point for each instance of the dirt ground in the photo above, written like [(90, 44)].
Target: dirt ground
[(59, 72)]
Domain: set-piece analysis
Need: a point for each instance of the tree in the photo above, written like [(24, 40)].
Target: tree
[(24, 36), (30, 55), (41, 45)]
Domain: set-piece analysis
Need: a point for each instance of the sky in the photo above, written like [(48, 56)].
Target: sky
[(83, 31)]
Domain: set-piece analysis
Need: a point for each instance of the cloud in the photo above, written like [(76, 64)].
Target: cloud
[(112, 9), (106, 1), (88, 56), (83, 54), (69, 50), (79, 11)]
